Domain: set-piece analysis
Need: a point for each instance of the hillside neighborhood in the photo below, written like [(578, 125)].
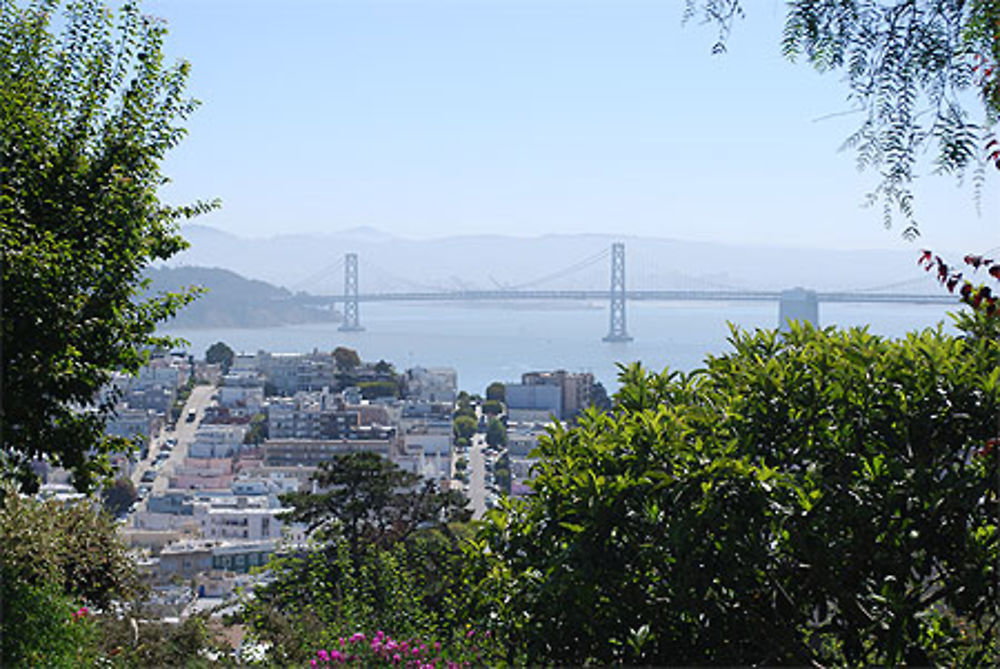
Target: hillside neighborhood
[(217, 444)]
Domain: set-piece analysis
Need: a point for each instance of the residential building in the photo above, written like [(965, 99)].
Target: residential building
[(435, 384), (218, 441), (311, 452)]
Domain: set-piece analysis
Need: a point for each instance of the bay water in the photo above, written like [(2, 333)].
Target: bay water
[(493, 342)]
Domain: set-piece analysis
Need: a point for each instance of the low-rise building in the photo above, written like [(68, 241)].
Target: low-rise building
[(435, 384), (203, 474), (240, 519), (575, 389), (526, 401), (311, 452), (217, 441)]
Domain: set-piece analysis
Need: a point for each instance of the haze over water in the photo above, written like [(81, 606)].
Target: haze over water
[(492, 343)]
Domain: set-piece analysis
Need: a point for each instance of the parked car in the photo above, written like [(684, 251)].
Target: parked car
[(149, 476)]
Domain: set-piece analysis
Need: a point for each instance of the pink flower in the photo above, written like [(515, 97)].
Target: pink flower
[(470, 634), (323, 655), (312, 663), (396, 658), (437, 645)]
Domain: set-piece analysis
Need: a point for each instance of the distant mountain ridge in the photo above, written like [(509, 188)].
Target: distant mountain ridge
[(231, 300), (314, 262)]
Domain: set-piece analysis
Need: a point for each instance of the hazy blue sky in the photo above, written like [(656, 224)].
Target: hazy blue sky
[(426, 118)]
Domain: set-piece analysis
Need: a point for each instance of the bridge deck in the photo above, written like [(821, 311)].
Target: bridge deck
[(638, 295)]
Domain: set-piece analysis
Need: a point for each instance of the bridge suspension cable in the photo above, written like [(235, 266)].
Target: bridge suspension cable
[(905, 283), (559, 274), (334, 267), (372, 268)]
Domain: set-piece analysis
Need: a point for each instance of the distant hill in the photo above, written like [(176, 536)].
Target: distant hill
[(232, 300), (314, 262)]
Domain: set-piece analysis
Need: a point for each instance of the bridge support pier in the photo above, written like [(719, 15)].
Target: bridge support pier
[(616, 328), (798, 304), (352, 322)]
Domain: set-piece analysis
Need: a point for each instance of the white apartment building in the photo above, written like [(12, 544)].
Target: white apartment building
[(217, 441), (434, 384), (238, 521)]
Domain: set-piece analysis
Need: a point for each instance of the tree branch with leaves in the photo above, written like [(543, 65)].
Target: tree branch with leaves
[(88, 110)]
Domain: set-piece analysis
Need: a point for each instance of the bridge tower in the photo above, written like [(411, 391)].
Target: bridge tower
[(798, 304), (616, 330), (351, 321)]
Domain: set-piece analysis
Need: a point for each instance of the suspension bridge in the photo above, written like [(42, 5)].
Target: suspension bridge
[(796, 303)]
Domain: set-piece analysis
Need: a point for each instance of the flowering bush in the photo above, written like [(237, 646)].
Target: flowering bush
[(381, 649), (45, 628)]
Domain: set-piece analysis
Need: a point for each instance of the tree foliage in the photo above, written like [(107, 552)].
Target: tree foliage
[(369, 500), (910, 66), (496, 391), (72, 546), (371, 390), (220, 354), (53, 558), (385, 554), (346, 358), (496, 433), (119, 496), (812, 497), (465, 426), (85, 119)]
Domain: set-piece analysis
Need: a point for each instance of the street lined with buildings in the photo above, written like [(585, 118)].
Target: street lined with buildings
[(218, 447)]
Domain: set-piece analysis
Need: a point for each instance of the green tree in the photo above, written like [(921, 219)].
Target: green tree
[(910, 68), (86, 117), (501, 473), (53, 559), (220, 354), (373, 389), (600, 398), (492, 407), (118, 497), (258, 430), (347, 359), (496, 433), (833, 488), (463, 406), (496, 391), (369, 500), (385, 554), (465, 427)]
